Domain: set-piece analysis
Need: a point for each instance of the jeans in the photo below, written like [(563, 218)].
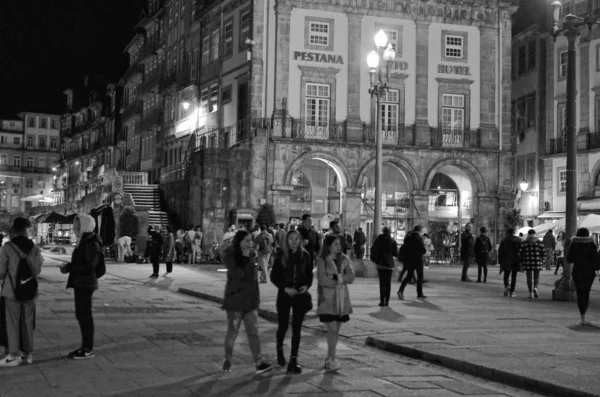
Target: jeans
[(263, 262), (385, 283), (155, 264), (559, 263), (169, 267), (20, 329), (195, 251), (234, 321), (549, 253), (482, 266), (513, 279), (536, 278), (83, 313), (284, 304), (465, 269), (583, 287), (411, 271)]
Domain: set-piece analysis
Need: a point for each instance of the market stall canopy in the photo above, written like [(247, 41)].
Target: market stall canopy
[(590, 222), (39, 218), (37, 197), (70, 218), (53, 217)]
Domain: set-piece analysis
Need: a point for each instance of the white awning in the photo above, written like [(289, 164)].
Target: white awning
[(552, 214)]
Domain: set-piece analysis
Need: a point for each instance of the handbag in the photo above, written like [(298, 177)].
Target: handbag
[(303, 301)]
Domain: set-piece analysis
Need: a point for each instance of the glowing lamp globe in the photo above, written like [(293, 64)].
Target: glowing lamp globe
[(381, 39)]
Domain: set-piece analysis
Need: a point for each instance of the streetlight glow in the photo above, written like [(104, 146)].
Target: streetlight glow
[(389, 54), (186, 105), (523, 185), (556, 6), (381, 39), (373, 59)]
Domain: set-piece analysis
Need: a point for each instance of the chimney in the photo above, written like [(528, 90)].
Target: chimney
[(69, 93)]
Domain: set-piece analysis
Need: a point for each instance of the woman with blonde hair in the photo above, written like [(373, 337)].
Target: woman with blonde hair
[(292, 275), (334, 272)]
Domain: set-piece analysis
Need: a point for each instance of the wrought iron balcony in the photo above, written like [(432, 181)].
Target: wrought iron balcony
[(556, 146), (322, 130), (397, 135), (455, 138)]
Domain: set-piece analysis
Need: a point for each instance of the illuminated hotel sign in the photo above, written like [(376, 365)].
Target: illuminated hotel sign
[(452, 69), (318, 57)]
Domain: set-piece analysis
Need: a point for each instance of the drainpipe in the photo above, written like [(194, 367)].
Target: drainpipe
[(221, 53), (499, 108)]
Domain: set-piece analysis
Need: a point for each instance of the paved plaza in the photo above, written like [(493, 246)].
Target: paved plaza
[(153, 341)]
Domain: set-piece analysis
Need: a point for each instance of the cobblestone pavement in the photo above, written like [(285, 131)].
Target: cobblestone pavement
[(154, 342)]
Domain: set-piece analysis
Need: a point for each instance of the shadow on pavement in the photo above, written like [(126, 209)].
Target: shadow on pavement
[(589, 328), (169, 388), (388, 314), (423, 304)]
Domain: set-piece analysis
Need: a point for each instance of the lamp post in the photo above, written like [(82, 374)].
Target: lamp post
[(570, 29), (379, 87)]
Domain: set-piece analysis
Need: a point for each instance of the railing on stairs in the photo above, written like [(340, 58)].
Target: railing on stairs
[(134, 178)]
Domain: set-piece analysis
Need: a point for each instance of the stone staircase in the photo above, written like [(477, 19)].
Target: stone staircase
[(147, 198)]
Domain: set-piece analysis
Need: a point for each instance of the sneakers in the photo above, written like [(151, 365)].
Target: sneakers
[(262, 368), (226, 366), (327, 365), (153, 275), (335, 365), (10, 361), (400, 295), (507, 291), (421, 297), (535, 293), (467, 280), (531, 295), (167, 275), (81, 354), (513, 295), (27, 359)]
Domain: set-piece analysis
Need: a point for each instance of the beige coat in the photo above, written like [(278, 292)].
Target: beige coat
[(333, 295), (9, 262)]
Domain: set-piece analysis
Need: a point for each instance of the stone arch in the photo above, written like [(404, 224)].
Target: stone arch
[(333, 161), (594, 175), (403, 165), (477, 181)]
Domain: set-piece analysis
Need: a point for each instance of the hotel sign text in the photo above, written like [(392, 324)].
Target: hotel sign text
[(318, 57), (452, 69)]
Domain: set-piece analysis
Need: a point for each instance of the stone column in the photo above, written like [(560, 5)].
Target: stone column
[(283, 58), (419, 214), (351, 207), (584, 94), (486, 208), (488, 93), (281, 202), (355, 61), (423, 131)]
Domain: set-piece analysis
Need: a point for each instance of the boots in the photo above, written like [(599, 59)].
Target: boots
[(280, 357), (293, 367)]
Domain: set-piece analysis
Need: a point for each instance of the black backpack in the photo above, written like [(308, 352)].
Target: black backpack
[(26, 285)]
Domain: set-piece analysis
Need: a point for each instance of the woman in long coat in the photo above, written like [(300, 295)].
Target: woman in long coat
[(335, 272), (582, 254), (533, 257), (169, 250), (508, 256)]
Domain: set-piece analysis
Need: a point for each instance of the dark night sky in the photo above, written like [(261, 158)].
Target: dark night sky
[(49, 45)]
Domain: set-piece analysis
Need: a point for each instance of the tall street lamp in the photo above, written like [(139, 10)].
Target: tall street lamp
[(570, 29), (379, 87)]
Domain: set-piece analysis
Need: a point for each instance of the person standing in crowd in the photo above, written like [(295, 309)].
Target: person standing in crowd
[(334, 272), (255, 232), (280, 238), (335, 230), (348, 242), (229, 235), (583, 255), (359, 243), (483, 246), (559, 251), (508, 256), (428, 248), (148, 249), (20, 315), (532, 255), (242, 299), (82, 278), (549, 247), (467, 251), (264, 246), (292, 275), (412, 252), (124, 248), (169, 251), (1, 239), (155, 250), (383, 251), (179, 246), (310, 238)]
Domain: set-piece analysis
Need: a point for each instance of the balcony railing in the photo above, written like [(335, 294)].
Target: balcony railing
[(175, 172), (25, 169), (401, 135), (134, 178), (455, 138), (308, 129), (557, 145)]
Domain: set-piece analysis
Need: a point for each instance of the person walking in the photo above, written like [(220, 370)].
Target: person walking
[(583, 254), (359, 243), (292, 275), (156, 249), (429, 249), (383, 251), (467, 251), (19, 314), (169, 251), (482, 248), (334, 272), (559, 251), (179, 245), (412, 253), (280, 238), (124, 248), (310, 238), (264, 247), (508, 256), (532, 255), (242, 299), (549, 247), (82, 278), (348, 242)]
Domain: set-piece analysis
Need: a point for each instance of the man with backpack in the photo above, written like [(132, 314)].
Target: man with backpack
[(20, 264), (264, 247)]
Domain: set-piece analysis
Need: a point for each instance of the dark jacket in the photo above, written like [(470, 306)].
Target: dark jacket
[(483, 246), (241, 291), (385, 248), (156, 246), (508, 253), (85, 257), (549, 241), (413, 249), (296, 273), (531, 253), (583, 253), (359, 238), (314, 245), (467, 245)]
